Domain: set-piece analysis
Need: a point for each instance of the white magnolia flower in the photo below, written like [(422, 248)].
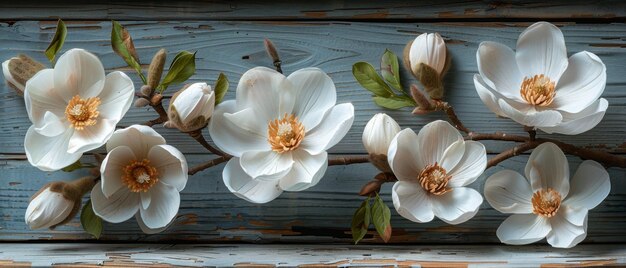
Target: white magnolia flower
[(430, 49), (378, 133), (142, 177), (546, 203), (278, 130), (74, 108), (47, 209), (192, 107), (433, 168), (538, 86)]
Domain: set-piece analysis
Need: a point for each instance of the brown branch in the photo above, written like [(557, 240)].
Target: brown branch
[(208, 164), (516, 150), (348, 160), (158, 107), (498, 136), (197, 135)]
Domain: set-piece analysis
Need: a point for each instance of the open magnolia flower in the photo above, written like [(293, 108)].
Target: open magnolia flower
[(538, 86), (433, 168), (278, 130), (191, 108), (545, 203), (142, 177), (74, 108)]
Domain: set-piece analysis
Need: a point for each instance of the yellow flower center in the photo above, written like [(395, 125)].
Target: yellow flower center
[(82, 112), (285, 134), (538, 90), (434, 179), (140, 176), (546, 202)]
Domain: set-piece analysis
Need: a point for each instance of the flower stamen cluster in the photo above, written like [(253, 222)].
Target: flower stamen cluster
[(82, 112), (434, 179), (140, 176), (546, 202), (285, 134), (538, 90)]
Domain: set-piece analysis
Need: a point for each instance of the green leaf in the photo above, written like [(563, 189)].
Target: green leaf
[(75, 166), (183, 66), (122, 44), (395, 102), (221, 87), (361, 221), (381, 217), (390, 69), (57, 41), (91, 223), (366, 75)]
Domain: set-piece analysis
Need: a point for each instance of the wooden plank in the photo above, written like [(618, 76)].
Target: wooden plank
[(234, 47), (241, 255), (578, 10), (322, 214)]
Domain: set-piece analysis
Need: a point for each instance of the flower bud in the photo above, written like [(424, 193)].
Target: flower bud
[(155, 70), (377, 136), (141, 102), (146, 90), (427, 58), (56, 203), (191, 107), (18, 70)]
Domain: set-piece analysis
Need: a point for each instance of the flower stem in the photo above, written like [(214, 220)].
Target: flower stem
[(348, 160), (515, 150), (210, 163), (197, 135), (273, 53)]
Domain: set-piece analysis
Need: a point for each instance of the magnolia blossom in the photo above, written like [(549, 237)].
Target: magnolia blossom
[(546, 203), (538, 86), (278, 130), (378, 133), (429, 49), (142, 177), (74, 108), (433, 168), (191, 107), (48, 209)]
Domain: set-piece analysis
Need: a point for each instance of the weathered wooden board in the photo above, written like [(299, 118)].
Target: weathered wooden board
[(443, 10), (234, 47), (212, 255)]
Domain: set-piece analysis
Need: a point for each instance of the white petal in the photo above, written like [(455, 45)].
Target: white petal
[(564, 234), (91, 137), (243, 186), (7, 74), (41, 97), (412, 202), (267, 92), (306, 172), (433, 140), (208, 106), (509, 192), (148, 230), (527, 115), (171, 165), (547, 167), (457, 206), (378, 133), (582, 83), (189, 100), (574, 124), (164, 205), (589, 186), (315, 94), (112, 169), (117, 96), (246, 121), (428, 48), (471, 166), (487, 95), (335, 125), (78, 72), (49, 153), (146, 198), (497, 67), (51, 125), (574, 215), (47, 209), (230, 137), (522, 229), (121, 206), (138, 137), (266, 165), (541, 50), (403, 156), (453, 155)]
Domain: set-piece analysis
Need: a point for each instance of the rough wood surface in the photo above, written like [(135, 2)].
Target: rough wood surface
[(237, 255), (442, 10)]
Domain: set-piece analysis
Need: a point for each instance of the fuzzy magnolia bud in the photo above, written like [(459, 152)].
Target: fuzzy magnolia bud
[(146, 90), (141, 102), (18, 70), (377, 135), (427, 58), (56, 203), (155, 70), (191, 107)]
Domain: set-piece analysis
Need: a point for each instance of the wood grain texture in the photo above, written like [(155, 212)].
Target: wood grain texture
[(237, 255), (442, 10)]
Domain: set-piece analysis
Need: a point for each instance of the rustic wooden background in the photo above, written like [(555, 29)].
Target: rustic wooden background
[(332, 35)]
